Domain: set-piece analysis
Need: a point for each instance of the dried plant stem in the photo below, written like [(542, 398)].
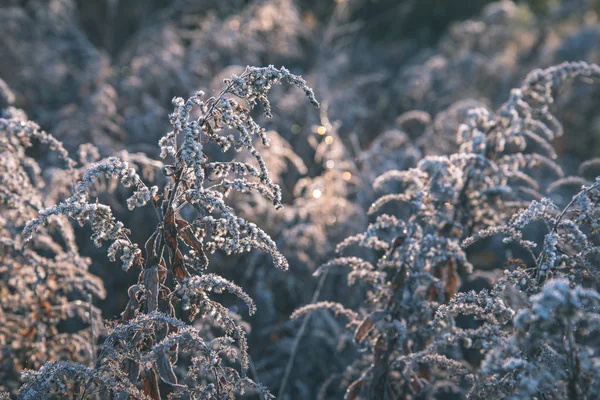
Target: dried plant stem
[(92, 337), (290, 363)]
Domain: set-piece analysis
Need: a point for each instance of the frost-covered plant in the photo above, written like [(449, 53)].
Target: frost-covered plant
[(139, 357), (412, 257), (569, 249), (104, 72), (46, 290), (553, 352)]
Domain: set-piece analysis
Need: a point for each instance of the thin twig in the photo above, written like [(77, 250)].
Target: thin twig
[(92, 338), (290, 363)]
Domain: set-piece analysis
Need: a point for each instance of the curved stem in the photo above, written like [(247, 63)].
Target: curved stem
[(290, 363)]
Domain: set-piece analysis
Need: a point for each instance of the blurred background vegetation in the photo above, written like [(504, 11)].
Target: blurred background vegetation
[(105, 71)]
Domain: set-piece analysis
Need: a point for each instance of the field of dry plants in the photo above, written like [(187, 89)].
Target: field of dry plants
[(299, 199)]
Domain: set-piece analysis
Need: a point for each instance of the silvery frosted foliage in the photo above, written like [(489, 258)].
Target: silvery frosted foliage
[(105, 71), (514, 143), (46, 290), (411, 262), (280, 159), (525, 119), (501, 157), (99, 216), (552, 352), (410, 266), (412, 258), (569, 248), (219, 113), (487, 307), (145, 349), (140, 355)]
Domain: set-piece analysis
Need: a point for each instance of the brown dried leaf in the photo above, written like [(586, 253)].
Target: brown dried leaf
[(171, 233), (433, 292), (449, 276), (165, 369), (151, 388), (398, 241), (363, 329), (133, 304), (181, 223), (162, 271), (170, 230), (150, 246), (452, 280), (132, 368), (151, 283), (179, 270), (424, 372), (366, 326)]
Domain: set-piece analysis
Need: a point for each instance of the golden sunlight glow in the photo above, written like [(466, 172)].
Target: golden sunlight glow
[(234, 24)]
